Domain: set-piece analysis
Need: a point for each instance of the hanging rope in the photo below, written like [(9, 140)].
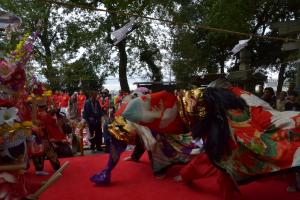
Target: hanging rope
[(204, 27)]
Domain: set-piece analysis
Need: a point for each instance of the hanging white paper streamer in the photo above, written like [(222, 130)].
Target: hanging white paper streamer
[(80, 83), (121, 33), (238, 47)]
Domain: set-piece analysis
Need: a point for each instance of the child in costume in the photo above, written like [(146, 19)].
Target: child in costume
[(46, 134)]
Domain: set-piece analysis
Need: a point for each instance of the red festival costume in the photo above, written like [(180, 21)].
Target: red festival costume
[(56, 100), (64, 100), (15, 124), (80, 101), (262, 142), (104, 103), (48, 121)]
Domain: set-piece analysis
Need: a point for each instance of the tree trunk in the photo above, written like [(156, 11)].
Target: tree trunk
[(281, 78), (50, 72), (222, 66), (123, 66), (147, 57)]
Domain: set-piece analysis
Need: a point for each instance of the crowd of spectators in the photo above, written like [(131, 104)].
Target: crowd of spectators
[(283, 100)]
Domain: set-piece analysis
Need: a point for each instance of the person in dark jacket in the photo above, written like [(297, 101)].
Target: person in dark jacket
[(93, 113)]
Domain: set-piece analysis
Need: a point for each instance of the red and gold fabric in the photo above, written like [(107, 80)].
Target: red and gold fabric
[(263, 140)]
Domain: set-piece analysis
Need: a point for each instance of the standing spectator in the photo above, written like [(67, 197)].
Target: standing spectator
[(269, 96), (73, 107), (104, 100), (119, 99), (93, 113), (80, 102), (291, 102), (108, 111), (60, 98), (64, 101), (281, 101)]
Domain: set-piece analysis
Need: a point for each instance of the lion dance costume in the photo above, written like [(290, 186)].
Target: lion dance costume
[(244, 138)]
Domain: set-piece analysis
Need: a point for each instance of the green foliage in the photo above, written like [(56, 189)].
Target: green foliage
[(63, 36), (79, 38), (81, 71), (199, 50)]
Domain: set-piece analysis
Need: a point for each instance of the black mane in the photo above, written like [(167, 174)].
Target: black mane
[(214, 127)]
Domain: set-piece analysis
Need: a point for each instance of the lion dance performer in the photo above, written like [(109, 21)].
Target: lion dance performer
[(156, 120), (245, 139)]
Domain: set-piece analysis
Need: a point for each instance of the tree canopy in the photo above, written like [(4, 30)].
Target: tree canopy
[(75, 42), (200, 50)]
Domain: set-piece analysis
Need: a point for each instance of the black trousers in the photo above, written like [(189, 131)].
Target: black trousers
[(138, 150), (95, 135)]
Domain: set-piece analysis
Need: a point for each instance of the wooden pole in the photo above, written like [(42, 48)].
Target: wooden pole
[(45, 186), (63, 167), (49, 182)]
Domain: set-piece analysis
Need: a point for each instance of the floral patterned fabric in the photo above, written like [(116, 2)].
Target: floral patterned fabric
[(155, 118), (263, 141), (158, 111)]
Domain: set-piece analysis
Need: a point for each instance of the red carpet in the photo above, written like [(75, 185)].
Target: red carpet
[(132, 181)]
